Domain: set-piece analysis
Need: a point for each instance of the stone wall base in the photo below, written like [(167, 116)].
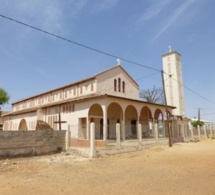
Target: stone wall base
[(177, 139), (86, 143)]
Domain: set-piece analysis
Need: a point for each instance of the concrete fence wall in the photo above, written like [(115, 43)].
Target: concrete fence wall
[(29, 143)]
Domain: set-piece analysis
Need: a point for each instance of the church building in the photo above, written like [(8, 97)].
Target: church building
[(107, 98)]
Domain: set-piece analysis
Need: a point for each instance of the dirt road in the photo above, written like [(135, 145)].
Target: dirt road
[(186, 168)]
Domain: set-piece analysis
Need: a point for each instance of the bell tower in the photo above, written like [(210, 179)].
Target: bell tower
[(173, 81)]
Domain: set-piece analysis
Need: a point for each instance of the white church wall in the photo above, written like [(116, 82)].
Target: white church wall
[(14, 121), (105, 84)]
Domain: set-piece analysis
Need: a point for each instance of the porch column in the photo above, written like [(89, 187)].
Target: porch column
[(105, 124)]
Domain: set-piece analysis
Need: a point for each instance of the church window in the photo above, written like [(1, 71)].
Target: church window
[(123, 86), (92, 87), (119, 84), (73, 107), (80, 90), (115, 83), (65, 94)]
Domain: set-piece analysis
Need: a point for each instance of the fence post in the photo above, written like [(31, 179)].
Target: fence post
[(118, 144), (213, 129), (140, 134), (205, 132), (123, 130), (156, 132), (199, 133), (182, 131), (210, 127), (92, 140), (191, 131), (67, 138)]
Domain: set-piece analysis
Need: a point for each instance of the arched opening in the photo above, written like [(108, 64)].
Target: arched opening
[(130, 122), (96, 115), (146, 120), (23, 125), (159, 119), (114, 115)]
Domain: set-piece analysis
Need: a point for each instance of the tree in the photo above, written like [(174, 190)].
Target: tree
[(154, 95), (196, 123), (4, 98)]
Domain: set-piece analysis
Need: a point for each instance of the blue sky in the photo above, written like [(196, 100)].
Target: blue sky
[(32, 62)]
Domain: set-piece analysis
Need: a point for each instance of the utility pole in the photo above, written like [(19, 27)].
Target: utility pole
[(167, 114), (199, 114)]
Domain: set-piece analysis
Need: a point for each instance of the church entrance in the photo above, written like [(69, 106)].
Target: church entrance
[(134, 128), (23, 125)]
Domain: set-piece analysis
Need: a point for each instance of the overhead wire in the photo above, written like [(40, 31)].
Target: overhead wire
[(192, 90), (76, 43), (98, 51)]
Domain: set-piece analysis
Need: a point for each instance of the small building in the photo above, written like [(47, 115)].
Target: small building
[(1, 118), (107, 98)]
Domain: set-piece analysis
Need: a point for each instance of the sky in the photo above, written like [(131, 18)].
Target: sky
[(32, 62)]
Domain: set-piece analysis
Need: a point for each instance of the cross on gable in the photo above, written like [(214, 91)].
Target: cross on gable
[(59, 121)]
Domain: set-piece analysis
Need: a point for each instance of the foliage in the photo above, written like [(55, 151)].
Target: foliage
[(154, 95), (4, 98), (196, 123)]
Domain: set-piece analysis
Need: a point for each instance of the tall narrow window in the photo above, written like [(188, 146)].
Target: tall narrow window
[(115, 84), (123, 86), (119, 84), (65, 94)]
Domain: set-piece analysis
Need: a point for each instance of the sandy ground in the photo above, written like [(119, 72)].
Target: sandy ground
[(186, 168)]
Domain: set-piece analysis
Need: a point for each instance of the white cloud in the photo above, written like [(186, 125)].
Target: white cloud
[(102, 5), (49, 15), (173, 17), (152, 11)]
